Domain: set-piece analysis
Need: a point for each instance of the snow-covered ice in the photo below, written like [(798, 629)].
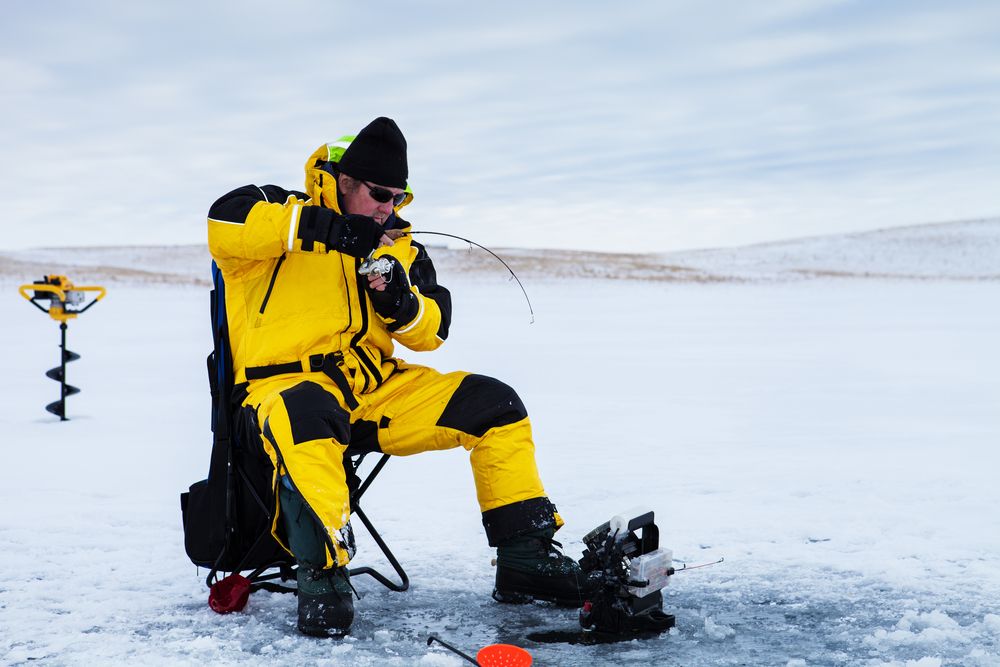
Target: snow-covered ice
[(836, 440)]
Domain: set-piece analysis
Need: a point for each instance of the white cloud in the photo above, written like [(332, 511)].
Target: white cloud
[(717, 121)]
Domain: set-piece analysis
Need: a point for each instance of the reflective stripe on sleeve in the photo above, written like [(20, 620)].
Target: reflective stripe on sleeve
[(293, 226), (420, 314)]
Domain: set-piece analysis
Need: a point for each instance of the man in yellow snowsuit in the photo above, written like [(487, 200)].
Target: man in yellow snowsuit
[(312, 343)]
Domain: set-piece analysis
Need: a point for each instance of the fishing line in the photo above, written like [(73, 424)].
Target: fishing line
[(499, 258)]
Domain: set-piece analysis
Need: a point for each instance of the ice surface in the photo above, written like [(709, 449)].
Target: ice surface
[(835, 440)]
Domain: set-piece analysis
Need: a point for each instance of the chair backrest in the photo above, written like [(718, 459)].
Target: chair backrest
[(228, 515)]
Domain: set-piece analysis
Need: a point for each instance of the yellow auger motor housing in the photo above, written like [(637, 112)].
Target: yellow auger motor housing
[(65, 302)]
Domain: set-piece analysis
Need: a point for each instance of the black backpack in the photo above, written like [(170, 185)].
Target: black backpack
[(227, 517)]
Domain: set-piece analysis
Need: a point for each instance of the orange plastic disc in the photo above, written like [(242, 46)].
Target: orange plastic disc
[(503, 655)]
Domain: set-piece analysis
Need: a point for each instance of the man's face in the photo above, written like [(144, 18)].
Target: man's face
[(361, 202)]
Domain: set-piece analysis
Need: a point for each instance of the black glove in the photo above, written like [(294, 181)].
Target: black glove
[(355, 235), (396, 301)]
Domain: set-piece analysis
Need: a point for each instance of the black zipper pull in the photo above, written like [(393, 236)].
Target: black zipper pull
[(270, 285)]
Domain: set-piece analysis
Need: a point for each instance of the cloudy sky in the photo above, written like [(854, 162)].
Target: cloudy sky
[(632, 126)]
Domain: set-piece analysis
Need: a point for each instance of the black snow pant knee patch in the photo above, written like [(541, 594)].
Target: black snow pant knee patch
[(315, 414), (481, 403), (364, 436)]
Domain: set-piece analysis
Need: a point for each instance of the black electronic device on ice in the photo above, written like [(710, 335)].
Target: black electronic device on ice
[(627, 570)]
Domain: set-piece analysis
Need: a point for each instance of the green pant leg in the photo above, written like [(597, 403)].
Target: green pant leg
[(304, 534), (308, 544)]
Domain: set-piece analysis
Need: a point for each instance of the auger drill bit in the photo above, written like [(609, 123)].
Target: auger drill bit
[(58, 374)]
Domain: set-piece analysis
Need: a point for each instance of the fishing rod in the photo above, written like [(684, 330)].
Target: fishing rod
[(498, 257), (685, 566)]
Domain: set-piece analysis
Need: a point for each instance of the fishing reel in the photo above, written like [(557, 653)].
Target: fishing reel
[(381, 266), (626, 570)]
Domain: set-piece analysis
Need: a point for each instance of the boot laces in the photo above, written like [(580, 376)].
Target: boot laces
[(553, 551), (552, 547), (342, 573)]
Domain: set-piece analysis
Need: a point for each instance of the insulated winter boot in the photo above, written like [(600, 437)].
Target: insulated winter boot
[(326, 608), (529, 567)]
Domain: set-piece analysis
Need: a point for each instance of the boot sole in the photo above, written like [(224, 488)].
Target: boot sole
[(325, 633), (520, 597)]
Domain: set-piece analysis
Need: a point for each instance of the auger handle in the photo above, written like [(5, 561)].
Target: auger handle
[(59, 312), (59, 292)]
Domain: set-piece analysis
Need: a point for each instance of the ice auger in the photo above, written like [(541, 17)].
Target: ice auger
[(65, 302)]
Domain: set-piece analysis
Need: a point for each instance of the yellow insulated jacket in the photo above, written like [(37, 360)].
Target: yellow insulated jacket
[(291, 298)]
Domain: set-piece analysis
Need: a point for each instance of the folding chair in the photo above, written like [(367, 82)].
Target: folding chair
[(228, 516)]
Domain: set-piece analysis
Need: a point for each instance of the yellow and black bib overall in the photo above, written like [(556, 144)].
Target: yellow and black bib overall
[(318, 367)]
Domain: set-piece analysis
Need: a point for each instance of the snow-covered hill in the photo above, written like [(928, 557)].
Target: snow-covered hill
[(835, 439), (952, 251), (958, 251)]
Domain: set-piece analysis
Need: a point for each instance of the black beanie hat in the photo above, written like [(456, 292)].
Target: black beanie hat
[(377, 154)]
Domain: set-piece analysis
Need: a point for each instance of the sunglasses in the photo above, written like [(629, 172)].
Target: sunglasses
[(381, 195)]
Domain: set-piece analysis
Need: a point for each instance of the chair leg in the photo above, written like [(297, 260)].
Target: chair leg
[(261, 579), (356, 496), (356, 509), (378, 576)]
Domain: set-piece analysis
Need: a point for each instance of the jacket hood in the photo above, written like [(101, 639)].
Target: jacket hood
[(321, 184)]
